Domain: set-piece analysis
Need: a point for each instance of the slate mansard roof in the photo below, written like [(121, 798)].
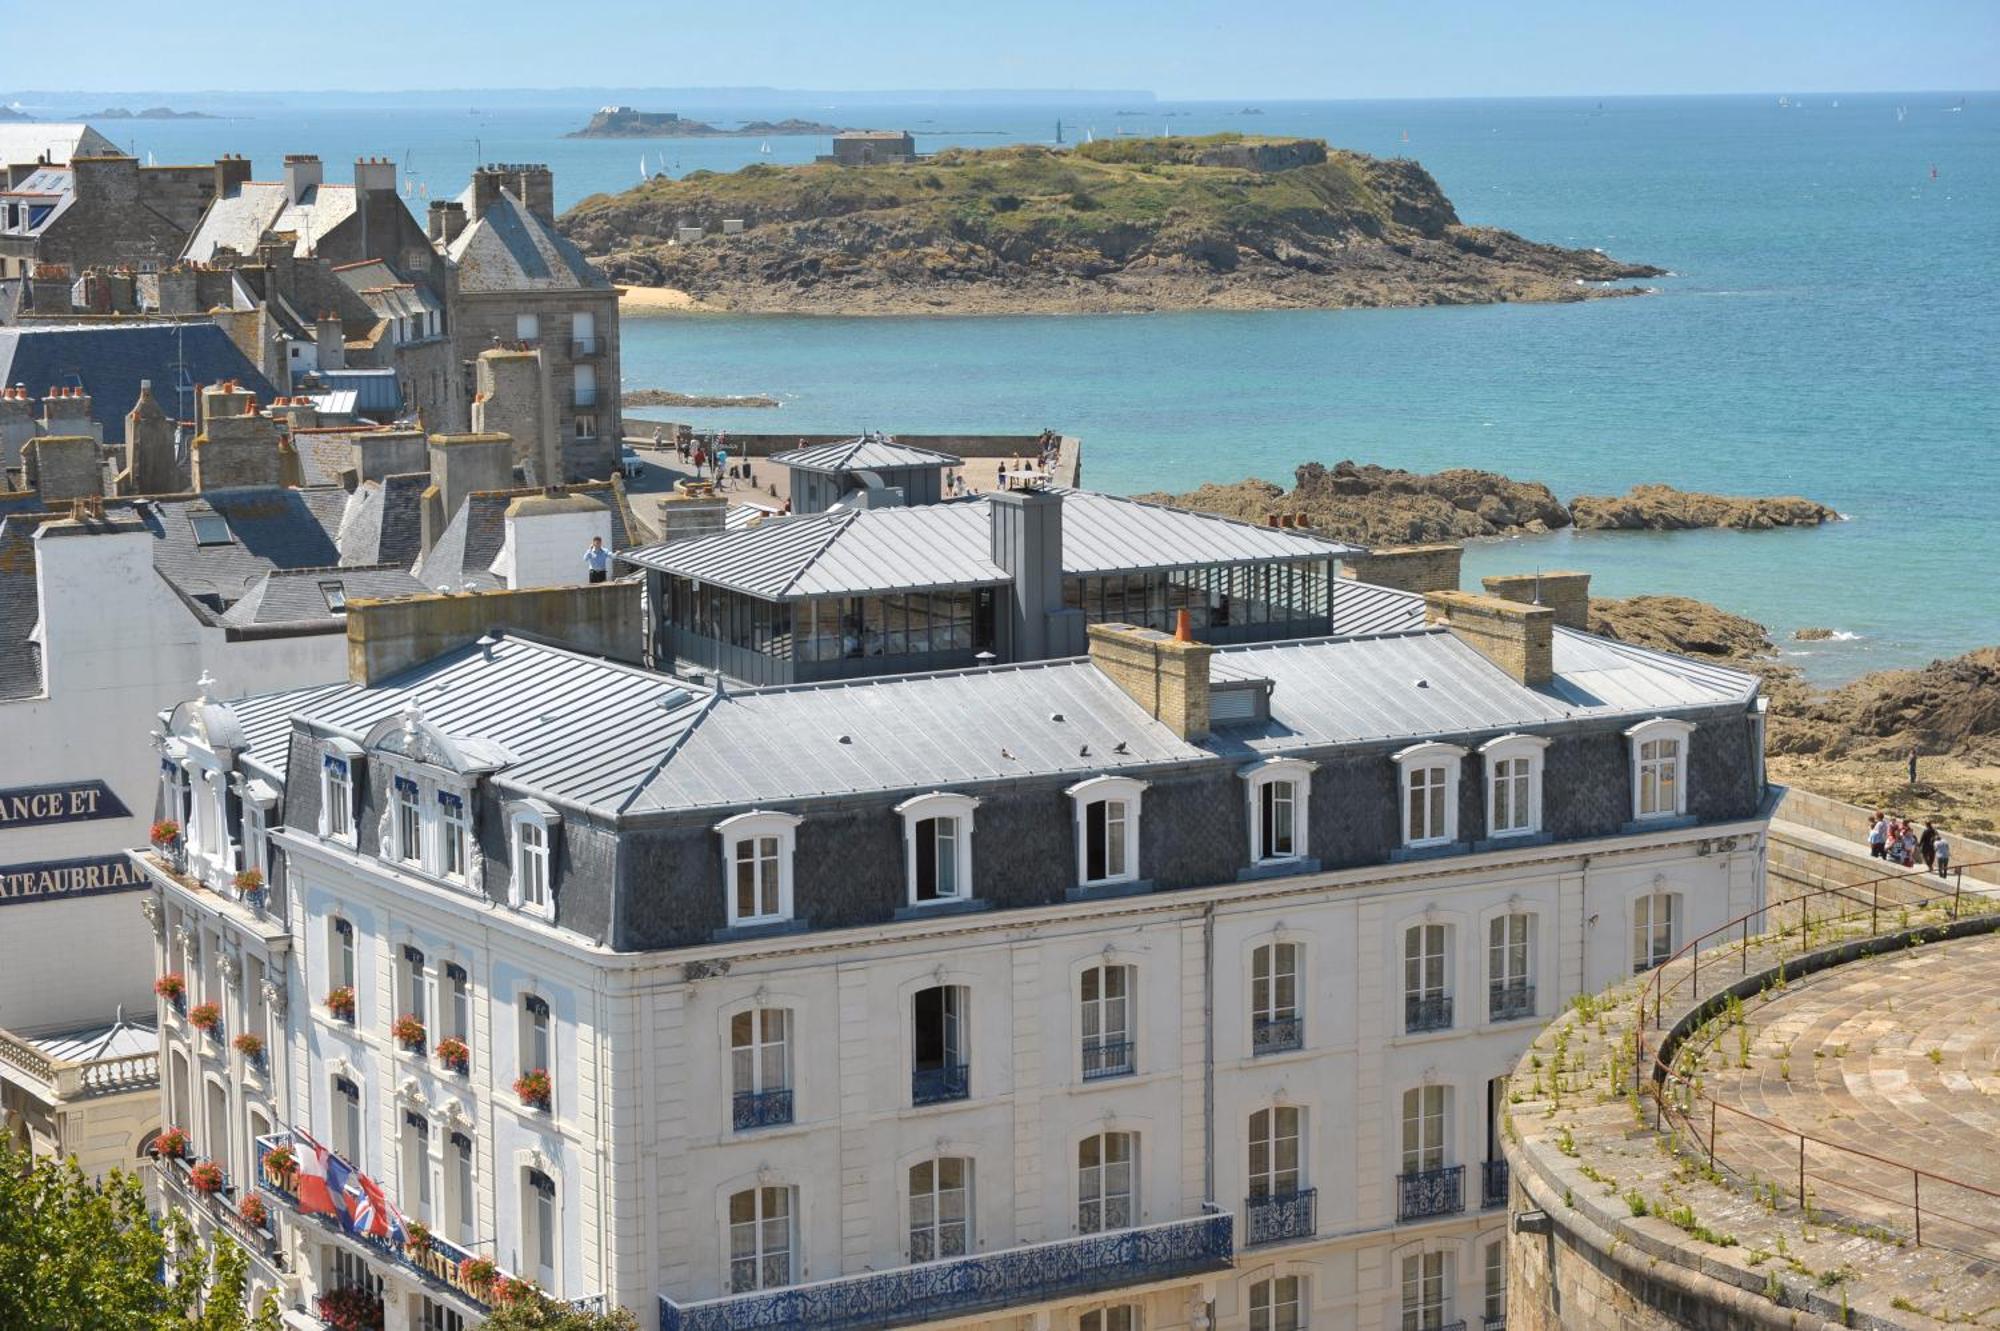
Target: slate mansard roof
[(511, 249), (238, 221), (109, 360)]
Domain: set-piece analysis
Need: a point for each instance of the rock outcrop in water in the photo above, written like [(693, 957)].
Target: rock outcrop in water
[(1663, 508), (622, 122), (1221, 222)]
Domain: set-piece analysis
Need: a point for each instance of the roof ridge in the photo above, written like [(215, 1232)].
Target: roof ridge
[(843, 518), (674, 746)]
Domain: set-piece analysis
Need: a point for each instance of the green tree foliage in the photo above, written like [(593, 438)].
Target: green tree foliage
[(532, 1312), (77, 1255)]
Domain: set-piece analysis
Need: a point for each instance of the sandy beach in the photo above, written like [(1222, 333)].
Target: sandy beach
[(644, 302)]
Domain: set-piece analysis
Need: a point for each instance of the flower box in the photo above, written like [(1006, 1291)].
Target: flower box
[(205, 1017), (250, 1045), (248, 881), (253, 1212), (535, 1089), (165, 834), (416, 1238), (349, 1309), (454, 1054), (172, 986), (477, 1273), (206, 1178), (171, 1144), (340, 1002), (281, 1166), (409, 1033)]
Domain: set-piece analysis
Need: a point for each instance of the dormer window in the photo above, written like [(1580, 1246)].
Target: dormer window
[(1278, 791), (409, 826), (454, 834), (1659, 768), (1107, 829), (757, 859), (937, 839), (336, 791), (531, 827), (1513, 784), (1430, 793)]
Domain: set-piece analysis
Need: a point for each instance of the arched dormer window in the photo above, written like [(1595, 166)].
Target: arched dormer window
[(1107, 829), (937, 841), (1659, 767), (1429, 787), (757, 864), (1279, 792), (1513, 784)]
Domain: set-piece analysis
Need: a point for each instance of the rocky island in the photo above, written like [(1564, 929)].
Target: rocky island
[(150, 113), (1226, 221), (622, 122)]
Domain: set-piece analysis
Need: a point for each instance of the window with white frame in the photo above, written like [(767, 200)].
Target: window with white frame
[(531, 830), (537, 1047), (940, 1208), (1116, 1317), (760, 1239), (1274, 1151), (1278, 1304), (1424, 1128), (1426, 977), (538, 1226), (1107, 1180), (1659, 767), (1655, 924), (1105, 1020), (1513, 784), (760, 1068), (347, 1120), (256, 855), (527, 327), (454, 835), (1107, 829), (409, 822), (414, 988), (1510, 951), (415, 1200), (1426, 1291), (463, 1200), (1279, 792), (1275, 1023), (1430, 793), (336, 798), (757, 855), (340, 952), (937, 839), (1495, 1310), (456, 1009)]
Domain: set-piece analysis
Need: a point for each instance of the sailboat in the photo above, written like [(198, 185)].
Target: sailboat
[(765, 148), (1902, 112), (643, 177)]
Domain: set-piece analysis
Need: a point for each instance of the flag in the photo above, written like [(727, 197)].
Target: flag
[(369, 1213), (316, 1190), (340, 1188)]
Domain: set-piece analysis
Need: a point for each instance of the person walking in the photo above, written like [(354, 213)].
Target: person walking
[(659, 438), (1878, 836), (1927, 844), (1942, 849), (597, 560)]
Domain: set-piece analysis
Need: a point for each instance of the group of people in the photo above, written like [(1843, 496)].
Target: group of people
[(707, 459), (1896, 839)]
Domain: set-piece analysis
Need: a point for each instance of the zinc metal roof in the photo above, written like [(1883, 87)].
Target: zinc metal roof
[(1111, 534), (867, 453), (1364, 608)]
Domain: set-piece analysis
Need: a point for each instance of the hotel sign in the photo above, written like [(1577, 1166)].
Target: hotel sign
[(55, 880), (70, 802)]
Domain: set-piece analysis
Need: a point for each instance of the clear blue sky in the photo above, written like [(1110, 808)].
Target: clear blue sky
[(1269, 49)]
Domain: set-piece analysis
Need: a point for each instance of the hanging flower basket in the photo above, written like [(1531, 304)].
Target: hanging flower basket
[(253, 1212), (250, 1045), (409, 1032), (534, 1088), (172, 986), (280, 1165), (350, 1310), (454, 1054), (205, 1017), (340, 1002), (171, 1144), (206, 1178), (476, 1273), (166, 834)]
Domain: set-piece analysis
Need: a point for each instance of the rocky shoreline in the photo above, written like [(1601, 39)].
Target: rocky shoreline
[(660, 397)]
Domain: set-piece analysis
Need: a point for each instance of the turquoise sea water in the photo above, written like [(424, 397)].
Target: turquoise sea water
[(1833, 329)]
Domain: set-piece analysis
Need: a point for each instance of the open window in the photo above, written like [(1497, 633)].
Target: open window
[(1279, 792), (339, 780), (937, 841), (1107, 829), (531, 832)]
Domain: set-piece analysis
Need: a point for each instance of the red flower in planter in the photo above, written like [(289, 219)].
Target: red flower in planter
[(509, 1289), (454, 1054), (409, 1032), (340, 1002), (250, 880), (280, 1165), (476, 1273), (534, 1088), (165, 833), (205, 1016), (250, 1045), (172, 986), (350, 1309), (416, 1237), (171, 1144), (206, 1177), (253, 1211)]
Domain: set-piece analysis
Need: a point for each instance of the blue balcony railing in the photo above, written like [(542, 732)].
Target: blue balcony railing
[(1280, 1216), (1430, 1192), (1106, 1058), (967, 1286), (761, 1109), (930, 1086), (1493, 1183), (1274, 1035), (1431, 1012)]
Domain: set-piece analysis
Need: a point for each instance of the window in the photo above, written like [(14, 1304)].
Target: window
[(1514, 784), (1107, 829), (347, 1121), (757, 849), (1659, 751), (940, 1068), (1118, 1317), (760, 1239), (1105, 1020), (1426, 972), (1276, 1305), (334, 593), (434, 1316), (940, 1210), (414, 990), (585, 383), (465, 1206), (527, 327), (1275, 1024), (454, 835), (760, 1068), (1654, 924), (1509, 956), (1426, 1286), (416, 1187), (538, 1224), (1495, 1310), (336, 813), (210, 528), (1423, 1129), (457, 1012), (1106, 1181), (340, 952), (1274, 1152), (409, 822), (531, 861), (537, 1054), (1430, 793), (937, 835), (1279, 791)]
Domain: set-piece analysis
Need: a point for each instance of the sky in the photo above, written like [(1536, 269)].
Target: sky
[(1178, 49)]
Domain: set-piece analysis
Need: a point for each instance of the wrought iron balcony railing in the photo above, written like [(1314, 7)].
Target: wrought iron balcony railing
[(1274, 1035), (761, 1109), (1510, 1001), (1430, 1012), (1106, 1058), (1280, 1216), (1493, 1183), (967, 1286), (930, 1086), (219, 1206), (1493, 1322), (1430, 1192)]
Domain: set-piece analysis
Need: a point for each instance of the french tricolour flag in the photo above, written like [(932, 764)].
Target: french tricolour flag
[(319, 1193)]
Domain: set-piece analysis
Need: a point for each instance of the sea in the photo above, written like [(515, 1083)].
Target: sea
[(1831, 328)]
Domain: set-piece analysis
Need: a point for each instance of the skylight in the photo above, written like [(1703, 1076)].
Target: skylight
[(210, 529), (336, 597)]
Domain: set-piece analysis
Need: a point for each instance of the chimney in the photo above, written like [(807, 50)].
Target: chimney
[(112, 180), (486, 183), (384, 453), (303, 172), (447, 220), (17, 427), (1520, 639), (331, 339), (374, 175), (232, 173), (67, 411), (463, 464), (546, 537), (537, 189), (508, 398), (49, 290), (237, 446), (1027, 541), (1409, 568), (1165, 674), (1568, 594), (222, 400), (150, 465), (692, 509), (63, 467)]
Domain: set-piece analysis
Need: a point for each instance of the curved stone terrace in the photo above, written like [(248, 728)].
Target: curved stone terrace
[(1806, 1134)]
